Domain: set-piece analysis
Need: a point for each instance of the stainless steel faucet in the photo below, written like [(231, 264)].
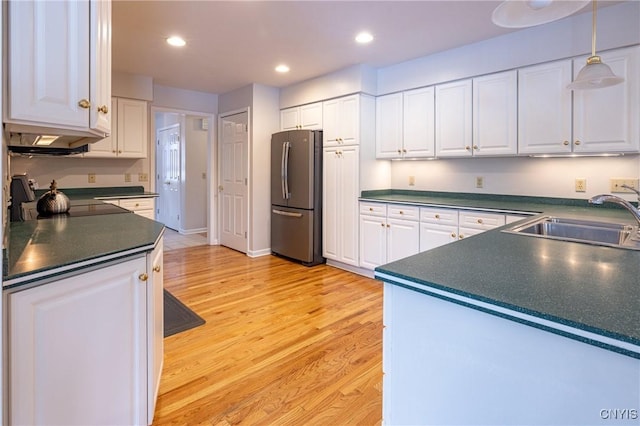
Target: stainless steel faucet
[(602, 198)]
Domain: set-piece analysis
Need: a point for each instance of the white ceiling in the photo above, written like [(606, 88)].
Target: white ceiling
[(233, 43)]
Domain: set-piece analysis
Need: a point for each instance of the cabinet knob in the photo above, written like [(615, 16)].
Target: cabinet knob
[(388, 226), (103, 109), (577, 142), (382, 224), (565, 143), (437, 216), (399, 152), (476, 147), (404, 151), (143, 277), (453, 235), (119, 151), (461, 236), (156, 268), (479, 220), (468, 148), (370, 209), (84, 103), (137, 205), (401, 212)]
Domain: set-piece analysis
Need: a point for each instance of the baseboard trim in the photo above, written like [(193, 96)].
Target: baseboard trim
[(355, 269), (192, 231), (258, 253)]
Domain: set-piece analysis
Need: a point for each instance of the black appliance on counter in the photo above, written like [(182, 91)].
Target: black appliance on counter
[(21, 192)]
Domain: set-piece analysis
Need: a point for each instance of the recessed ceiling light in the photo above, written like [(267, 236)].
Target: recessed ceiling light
[(282, 68), (176, 41), (364, 37)]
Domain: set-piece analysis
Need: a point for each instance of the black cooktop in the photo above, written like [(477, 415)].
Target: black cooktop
[(78, 208)]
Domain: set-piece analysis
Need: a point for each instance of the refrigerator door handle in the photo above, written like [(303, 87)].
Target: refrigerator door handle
[(283, 213), (285, 170)]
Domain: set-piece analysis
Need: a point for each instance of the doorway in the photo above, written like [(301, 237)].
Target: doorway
[(182, 163), (233, 191)]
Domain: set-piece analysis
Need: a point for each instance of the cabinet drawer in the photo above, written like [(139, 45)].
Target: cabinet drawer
[(373, 209), (479, 220), (440, 216), (397, 211), (137, 203)]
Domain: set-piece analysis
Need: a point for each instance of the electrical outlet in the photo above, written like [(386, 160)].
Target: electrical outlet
[(412, 180), (616, 184), (581, 185), (92, 178), (479, 182), (127, 177), (143, 177)]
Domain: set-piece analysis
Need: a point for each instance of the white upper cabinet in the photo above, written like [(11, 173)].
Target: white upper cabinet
[(608, 119), (453, 119), (129, 137), (341, 121), (604, 120), (544, 108), (389, 126), (405, 124), (59, 75), (419, 123), (302, 117), (495, 107)]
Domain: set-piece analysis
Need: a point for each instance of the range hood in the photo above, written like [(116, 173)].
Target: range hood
[(25, 143)]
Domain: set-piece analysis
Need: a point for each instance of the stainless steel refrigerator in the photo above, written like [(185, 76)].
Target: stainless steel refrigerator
[(296, 195)]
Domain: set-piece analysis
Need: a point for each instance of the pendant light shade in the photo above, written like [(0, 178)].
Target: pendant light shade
[(527, 13), (595, 74)]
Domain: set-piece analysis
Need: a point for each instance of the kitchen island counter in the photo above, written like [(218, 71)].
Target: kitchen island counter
[(38, 249)]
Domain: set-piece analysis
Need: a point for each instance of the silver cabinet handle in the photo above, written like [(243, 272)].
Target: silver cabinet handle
[(289, 214)]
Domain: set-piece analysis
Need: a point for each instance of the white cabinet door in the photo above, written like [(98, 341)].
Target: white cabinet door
[(606, 120), (419, 123), (155, 326), (453, 119), (311, 116), (48, 75), (77, 349), (302, 117), (350, 191), (100, 67), (389, 126), (403, 239), (107, 147), (132, 128), (544, 108), (290, 118), (341, 121), (340, 204), (434, 235), (495, 110), (373, 241)]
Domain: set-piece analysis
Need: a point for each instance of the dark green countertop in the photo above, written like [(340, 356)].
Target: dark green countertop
[(587, 287), (40, 248), (102, 192)]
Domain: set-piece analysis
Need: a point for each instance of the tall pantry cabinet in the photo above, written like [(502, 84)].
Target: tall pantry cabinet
[(349, 128)]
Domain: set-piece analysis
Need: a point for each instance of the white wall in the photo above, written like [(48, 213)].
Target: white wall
[(354, 79), (182, 99), (617, 26), (195, 148)]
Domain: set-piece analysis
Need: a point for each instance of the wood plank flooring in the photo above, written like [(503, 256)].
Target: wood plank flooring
[(283, 344)]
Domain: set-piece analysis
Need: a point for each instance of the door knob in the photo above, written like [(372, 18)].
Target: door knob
[(220, 188)]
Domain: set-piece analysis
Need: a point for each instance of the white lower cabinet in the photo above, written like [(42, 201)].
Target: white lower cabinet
[(437, 227), (387, 233), (87, 349), (143, 206)]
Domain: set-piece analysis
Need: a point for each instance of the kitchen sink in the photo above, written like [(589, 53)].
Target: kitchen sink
[(581, 231)]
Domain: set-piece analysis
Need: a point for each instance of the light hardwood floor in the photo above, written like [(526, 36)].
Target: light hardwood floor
[(283, 344)]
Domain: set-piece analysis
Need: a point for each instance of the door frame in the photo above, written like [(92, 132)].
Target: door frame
[(221, 116), (212, 174)]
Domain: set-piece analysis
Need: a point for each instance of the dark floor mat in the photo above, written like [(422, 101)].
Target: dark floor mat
[(177, 316)]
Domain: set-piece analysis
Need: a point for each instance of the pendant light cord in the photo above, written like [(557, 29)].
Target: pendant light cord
[(593, 30)]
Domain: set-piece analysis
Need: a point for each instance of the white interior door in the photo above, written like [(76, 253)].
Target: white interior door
[(233, 181), (168, 185)]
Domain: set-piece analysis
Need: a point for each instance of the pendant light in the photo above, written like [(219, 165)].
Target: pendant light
[(527, 13), (595, 74)]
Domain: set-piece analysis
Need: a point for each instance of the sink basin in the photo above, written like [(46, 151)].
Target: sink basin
[(581, 231)]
